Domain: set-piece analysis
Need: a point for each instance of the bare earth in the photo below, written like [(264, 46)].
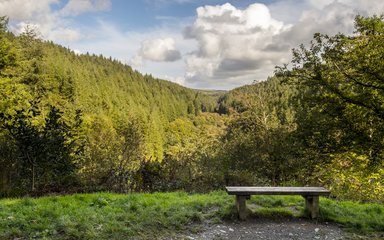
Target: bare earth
[(281, 229)]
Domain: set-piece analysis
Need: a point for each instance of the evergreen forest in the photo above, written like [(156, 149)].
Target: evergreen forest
[(74, 123)]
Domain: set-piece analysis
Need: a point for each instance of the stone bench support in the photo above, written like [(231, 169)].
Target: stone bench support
[(241, 206), (312, 206)]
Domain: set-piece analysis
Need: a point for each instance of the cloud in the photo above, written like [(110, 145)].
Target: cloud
[(237, 46), (178, 80), (331, 19), (52, 24), (232, 42), (48, 31), (158, 50), (76, 7), (25, 9)]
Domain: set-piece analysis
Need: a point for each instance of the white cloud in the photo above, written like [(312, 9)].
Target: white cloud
[(25, 9), (159, 50), (232, 43), (51, 24), (237, 46), (136, 61), (365, 7), (75, 7), (37, 14), (178, 80), (77, 52)]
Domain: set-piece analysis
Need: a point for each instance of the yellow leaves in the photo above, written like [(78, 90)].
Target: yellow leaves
[(349, 177)]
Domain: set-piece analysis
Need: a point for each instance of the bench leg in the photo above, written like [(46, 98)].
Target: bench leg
[(241, 206), (312, 206)]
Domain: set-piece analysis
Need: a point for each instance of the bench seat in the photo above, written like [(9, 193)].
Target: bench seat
[(311, 195)]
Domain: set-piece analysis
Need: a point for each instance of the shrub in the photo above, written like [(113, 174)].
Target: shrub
[(350, 176)]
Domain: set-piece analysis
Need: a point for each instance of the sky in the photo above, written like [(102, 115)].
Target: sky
[(209, 44)]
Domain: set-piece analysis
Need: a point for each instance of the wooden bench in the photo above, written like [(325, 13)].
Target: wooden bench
[(311, 195)]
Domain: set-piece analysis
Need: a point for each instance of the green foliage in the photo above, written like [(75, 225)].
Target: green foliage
[(190, 154), (7, 52), (341, 83), (257, 145), (349, 176), (125, 115), (339, 108), (112, 155), (43, 154), (318, 120)]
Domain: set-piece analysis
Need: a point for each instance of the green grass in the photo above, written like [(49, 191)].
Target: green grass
[(147, 216), (109, 216), (366, 217)]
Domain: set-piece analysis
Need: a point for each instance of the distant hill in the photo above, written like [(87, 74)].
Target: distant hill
[(99, 85), (267, 94)]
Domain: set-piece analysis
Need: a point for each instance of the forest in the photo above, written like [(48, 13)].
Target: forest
[(74, 123)]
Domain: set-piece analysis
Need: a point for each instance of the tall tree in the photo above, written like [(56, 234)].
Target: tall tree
[(341, 82), (42, 159)]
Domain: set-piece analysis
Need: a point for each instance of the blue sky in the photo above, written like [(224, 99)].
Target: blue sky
[(201, 44)]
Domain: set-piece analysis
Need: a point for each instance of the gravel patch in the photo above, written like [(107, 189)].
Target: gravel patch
[(283, 229)]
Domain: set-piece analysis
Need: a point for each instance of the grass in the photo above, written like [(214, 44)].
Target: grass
[(109, 216), (148, 216), (367, 217)]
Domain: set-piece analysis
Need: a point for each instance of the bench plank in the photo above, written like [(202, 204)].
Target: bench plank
[(304, 191)]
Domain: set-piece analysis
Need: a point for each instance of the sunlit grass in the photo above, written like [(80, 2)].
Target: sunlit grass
[(148, 216), (356, 216), (106, 215)]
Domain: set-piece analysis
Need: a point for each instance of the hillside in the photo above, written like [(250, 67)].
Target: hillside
[(115, 106), (85, 123), (105, 86)]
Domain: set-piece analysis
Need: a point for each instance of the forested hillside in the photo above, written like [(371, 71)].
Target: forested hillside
[(73, 122), (100, 115)]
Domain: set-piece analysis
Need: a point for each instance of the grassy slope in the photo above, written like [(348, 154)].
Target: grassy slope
[(146, 216)]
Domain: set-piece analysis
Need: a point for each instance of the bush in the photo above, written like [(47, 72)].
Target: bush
[(350, 176)]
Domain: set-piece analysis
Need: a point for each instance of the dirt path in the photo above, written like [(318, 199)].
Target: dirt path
[(270, 229)]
